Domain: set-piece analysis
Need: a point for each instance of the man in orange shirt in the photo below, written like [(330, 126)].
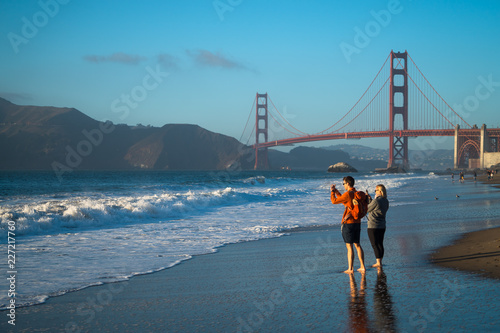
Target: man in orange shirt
[(351, 228)]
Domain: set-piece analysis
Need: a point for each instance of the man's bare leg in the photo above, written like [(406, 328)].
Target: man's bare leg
[(361, 257), (350, 258)]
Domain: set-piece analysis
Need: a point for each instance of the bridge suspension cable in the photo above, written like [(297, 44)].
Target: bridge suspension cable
[(248, 120), (359, 100), (427, 109), (300, 133), (433, 89)]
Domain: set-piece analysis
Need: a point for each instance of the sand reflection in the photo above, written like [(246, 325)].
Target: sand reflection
[(382, 305)]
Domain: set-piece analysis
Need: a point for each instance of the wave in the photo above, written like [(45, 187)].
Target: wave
[(65, 212), (97, 211)]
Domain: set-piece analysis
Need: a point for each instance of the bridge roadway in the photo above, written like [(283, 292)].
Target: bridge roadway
[(493, 132)]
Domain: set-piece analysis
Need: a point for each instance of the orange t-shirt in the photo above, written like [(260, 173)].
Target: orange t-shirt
[(345, 199)]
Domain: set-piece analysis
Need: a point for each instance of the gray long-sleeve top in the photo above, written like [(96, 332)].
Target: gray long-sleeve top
[(377, 208)]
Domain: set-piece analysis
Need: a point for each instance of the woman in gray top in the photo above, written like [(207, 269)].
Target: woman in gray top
[(377, 209)]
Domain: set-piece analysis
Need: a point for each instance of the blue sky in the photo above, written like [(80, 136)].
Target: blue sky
[(202, 62)]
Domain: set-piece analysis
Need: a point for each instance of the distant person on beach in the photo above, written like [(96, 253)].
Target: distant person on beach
[(351, 228), (377, 209)]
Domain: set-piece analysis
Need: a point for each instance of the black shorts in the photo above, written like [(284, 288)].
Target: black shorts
[(351, 232)]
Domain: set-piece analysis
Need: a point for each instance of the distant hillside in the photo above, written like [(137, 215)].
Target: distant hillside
[(362, 152), (439, 159), (301, 158), (310, 158), (64, 139), (187, 147)]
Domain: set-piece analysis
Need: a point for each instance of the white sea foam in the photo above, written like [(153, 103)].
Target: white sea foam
[(85, 212)]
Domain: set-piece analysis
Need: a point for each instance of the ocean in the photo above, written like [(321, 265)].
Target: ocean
[(98, 227)]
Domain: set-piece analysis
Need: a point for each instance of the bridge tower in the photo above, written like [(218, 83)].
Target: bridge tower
[(398, 106), (261, 131)]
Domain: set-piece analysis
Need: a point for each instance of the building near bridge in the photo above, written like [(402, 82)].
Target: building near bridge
[(476, 148)]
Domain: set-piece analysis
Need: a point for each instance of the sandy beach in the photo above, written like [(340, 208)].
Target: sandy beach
[(477, 252)]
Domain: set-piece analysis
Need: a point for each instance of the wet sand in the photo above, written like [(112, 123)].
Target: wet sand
[(243, 287), (292, 283), (484, 178)]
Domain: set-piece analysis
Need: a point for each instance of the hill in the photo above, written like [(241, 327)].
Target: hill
[(310, 158), (438, 159), (65, 139), (362, 152), (187, 147)]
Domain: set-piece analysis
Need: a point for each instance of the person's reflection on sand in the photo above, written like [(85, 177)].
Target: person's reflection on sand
[(358, 318), (382, 304)]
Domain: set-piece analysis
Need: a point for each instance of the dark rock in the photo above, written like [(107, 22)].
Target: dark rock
[(341, 167)]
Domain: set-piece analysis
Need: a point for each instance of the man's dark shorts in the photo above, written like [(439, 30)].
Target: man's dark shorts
[(351, 232)]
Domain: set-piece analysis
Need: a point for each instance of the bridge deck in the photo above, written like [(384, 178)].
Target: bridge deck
[(494, 132)]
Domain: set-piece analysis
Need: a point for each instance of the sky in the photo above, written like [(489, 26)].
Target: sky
[(203, 61)]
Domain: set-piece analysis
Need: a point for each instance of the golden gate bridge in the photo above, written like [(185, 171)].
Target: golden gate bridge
[(399, 103)]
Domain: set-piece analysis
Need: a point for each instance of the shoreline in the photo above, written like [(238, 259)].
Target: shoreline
[(191, 295), (477, 251), (282, 233)]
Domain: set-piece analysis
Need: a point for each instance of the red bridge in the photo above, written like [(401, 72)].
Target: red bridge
[(399, 103)]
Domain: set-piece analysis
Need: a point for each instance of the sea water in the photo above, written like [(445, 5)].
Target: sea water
[(97, 227)]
